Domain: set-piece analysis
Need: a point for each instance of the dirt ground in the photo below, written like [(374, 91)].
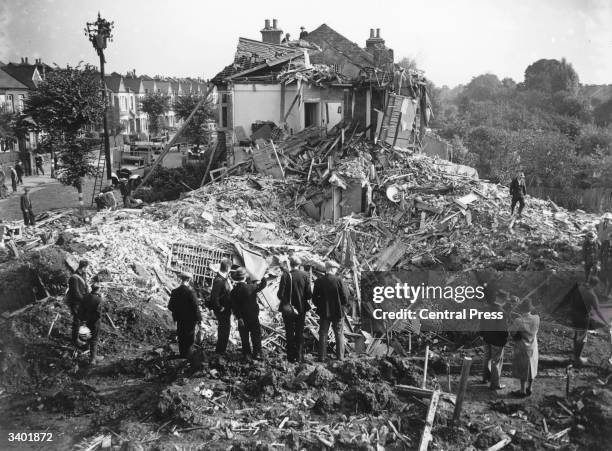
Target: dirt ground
[(145, 398)]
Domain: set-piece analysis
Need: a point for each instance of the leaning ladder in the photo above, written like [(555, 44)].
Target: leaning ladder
[(99, 180)]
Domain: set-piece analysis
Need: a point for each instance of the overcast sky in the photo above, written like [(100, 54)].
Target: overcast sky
[(452, 40)]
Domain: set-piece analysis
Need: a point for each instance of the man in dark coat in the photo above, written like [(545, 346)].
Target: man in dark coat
[(584, 302), (19, 171), (494, 332), (39, 165), (294, 292), (77, 290), (14, 179), (590, 253), (89, 312), (186, 313), (518, 190), (221, 304), (26, 208), (246, 309), (329, 297)]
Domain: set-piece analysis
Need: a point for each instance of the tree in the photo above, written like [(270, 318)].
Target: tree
[(155, 105), (196, 129), (64, 104), (602, 114), (551, 76), (483, 87)]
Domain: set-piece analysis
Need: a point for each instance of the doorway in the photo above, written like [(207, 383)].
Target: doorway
[(311, 114)]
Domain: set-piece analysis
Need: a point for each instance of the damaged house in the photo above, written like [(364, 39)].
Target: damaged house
[(321, 86)]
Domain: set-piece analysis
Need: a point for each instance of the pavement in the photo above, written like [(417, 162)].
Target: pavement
[(46, 194)]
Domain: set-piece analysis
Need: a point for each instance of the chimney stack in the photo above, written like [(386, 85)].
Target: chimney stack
[(371, 32), (375, 46), (378, 32), (271, 35), (26, 60)]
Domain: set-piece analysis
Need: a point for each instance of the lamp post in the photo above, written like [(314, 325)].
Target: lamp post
[(99, 33)]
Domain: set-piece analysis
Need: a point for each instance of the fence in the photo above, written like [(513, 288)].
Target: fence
[(595, 200)]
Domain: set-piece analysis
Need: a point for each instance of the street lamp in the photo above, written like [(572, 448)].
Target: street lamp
[(99, 33)]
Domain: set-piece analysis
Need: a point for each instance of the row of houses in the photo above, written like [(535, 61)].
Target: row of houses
[(125, 92)]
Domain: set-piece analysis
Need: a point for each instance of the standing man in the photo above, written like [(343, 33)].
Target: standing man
[(590, 253), (221, 304), (186, 313), (39, 164), (294, 292), (329, 298), (77, 290), (90, 314), (518, 190), (494, 332), (14, 179), (584, 302), (26, 208), (246, 309), (19, 170), (604, 232), (3, 189)]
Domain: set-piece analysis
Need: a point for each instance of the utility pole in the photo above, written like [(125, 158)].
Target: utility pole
[(98, 33)]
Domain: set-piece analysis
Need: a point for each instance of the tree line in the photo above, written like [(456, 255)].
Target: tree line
[(546, 126)]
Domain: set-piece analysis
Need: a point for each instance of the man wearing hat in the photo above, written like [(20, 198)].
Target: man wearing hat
[(294, 292), (590, 253), (518, 191), (246, 309), (329, 297), (186, 313), (303, 33), (89, 312), (221, 303), (77, 290)]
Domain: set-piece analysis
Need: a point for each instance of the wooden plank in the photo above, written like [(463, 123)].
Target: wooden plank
[(429, 420), (465, 374), (390, 256)]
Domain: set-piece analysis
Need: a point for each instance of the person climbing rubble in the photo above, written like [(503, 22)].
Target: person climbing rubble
[(584, 303), (77, 290), (518, 190), (89, 312), (330, 297), (604, 232), (294, 292), (590, 254), (186, 313), (221, 303), (246, 309)]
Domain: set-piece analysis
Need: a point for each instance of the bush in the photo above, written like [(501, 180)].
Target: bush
[(165, 184)]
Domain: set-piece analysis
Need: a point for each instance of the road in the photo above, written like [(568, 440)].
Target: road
[(46, 194)]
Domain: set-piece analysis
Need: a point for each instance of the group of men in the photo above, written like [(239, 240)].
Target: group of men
[(232, 293)]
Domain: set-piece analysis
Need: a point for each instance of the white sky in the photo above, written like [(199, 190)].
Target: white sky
[(452, 40)]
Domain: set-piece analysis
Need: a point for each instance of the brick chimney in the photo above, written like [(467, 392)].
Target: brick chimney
[(271, 34), (375, 45), (374, 41)]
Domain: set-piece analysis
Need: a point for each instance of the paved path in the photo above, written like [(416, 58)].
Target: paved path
[(46, 194)]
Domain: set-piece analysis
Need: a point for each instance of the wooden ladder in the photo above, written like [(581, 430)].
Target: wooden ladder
[(99, 180)]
